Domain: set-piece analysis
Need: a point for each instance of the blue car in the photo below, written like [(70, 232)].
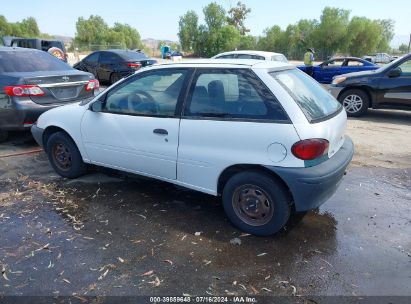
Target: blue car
[(325, 71)]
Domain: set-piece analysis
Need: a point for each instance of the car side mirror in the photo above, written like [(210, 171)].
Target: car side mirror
[(396, 72), (96, 106)]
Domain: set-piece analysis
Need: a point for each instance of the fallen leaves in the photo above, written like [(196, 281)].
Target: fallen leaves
[(148, 273), (67, 281), (169, 261), (156, 282)]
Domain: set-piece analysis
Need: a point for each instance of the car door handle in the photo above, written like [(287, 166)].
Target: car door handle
[(160, 131)]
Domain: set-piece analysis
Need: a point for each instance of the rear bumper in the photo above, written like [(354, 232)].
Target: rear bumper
[(312, 186), (37, 134), (21, 114)]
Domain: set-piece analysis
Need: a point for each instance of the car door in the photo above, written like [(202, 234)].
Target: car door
[(90, 63), (396, 90), (108, 62), (136, 129), (229, 118), (329, 69)]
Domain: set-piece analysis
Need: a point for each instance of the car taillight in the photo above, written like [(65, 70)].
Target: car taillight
[(310, 149), (92, 84), (23, 90), (135, 66)]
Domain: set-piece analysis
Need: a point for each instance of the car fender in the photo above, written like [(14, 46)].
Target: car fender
[(67, 118)]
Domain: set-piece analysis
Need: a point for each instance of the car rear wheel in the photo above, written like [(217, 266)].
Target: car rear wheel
[(64, 156), (355, 102), (256, 203), (3, 135)]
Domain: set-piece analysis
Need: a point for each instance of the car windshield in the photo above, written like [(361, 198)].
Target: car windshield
[(133, 55), (388, 66), (30, 61), (314, 101)]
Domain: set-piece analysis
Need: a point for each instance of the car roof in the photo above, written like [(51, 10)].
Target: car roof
[(227, 63), (120, 51), (18, 49), (251, 52)]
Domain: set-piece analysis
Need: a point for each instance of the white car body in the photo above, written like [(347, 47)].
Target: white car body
[(250, 54), (196, 152)]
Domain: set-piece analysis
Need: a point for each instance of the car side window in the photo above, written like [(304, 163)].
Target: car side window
[(107, 58), (231, 56), (232, 93), (249, 56), (334, 63), (405, 68), (354, 63), (150, 94), (92, 58)]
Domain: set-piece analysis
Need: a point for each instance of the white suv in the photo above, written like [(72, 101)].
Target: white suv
[(263, 135)]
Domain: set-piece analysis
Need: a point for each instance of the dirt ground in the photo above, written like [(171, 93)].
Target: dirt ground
[(382, 139), (111, 234)]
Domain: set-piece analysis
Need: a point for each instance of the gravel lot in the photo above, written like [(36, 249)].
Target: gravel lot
[(114, 234)]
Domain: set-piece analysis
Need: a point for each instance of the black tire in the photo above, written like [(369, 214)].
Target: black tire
[(355, 102), (265, 192), (114, 77), (64, 156), (3, 135)]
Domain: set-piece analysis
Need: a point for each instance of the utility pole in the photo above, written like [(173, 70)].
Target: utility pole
[(409, 44)]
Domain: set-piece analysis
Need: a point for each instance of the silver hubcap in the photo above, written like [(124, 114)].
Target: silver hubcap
[(353, 103)]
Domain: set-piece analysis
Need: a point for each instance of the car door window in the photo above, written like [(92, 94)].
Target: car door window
[(231, 56), (92, 58), (354, 63), (334, 63), (405, 68), (232, 94), (109, 58), (249, 56), (150, 94)]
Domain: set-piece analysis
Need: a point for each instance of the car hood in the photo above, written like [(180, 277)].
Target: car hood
[(358, 74)]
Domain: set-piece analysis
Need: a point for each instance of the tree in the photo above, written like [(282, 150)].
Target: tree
[(217, 35), (273, 41), (4, 26), (363, 36), (387, 33), (95, 31), (237, 16), (330, 34), (214, 16), (247, 43), (403, 48), (188, 30)]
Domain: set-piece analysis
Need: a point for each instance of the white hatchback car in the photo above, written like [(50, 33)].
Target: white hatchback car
[(263, 135), (258, 55)]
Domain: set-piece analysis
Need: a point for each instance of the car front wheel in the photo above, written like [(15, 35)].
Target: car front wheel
[(355, 102), (64, 156), (256, 203)]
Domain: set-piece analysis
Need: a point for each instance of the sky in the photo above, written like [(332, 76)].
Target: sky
[(158, 19)]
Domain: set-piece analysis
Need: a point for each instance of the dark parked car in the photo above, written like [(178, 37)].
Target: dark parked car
[(389, 87), (33, 81), (325, 71), (112, 65), (54, 47)]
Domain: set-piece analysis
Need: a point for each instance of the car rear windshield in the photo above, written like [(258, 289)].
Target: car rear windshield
[(314, 100), (133, 56), (30, 61)]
